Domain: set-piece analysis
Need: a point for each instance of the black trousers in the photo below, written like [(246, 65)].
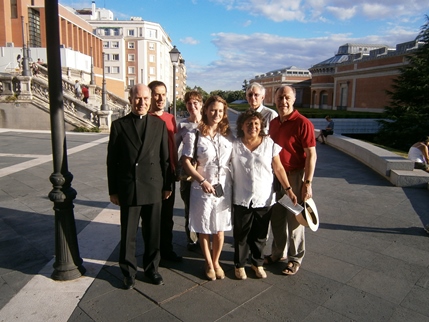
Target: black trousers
[(250, 233), (167, 224), (151, 221)]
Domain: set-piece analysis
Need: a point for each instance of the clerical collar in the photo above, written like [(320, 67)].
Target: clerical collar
[(138, 116)]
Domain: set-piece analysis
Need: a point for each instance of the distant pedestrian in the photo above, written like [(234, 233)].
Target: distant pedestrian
[(34, 69), (329, 130), (85, 93), (77, 89)]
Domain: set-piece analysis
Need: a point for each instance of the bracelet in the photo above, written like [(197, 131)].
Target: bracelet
[(307, 182), (202, 181), (288, 188)]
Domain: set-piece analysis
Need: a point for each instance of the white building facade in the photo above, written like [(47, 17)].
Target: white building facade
[(135, 50)]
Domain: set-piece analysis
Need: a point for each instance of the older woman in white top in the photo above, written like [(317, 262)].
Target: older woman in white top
[(255, 157), (419, 154), (209, 209)]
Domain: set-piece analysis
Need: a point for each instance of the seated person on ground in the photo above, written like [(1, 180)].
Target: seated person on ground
[(329, 130), (419, 154)]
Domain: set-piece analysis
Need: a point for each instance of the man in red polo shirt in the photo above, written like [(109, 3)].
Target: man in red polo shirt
[(158, 100), (295, 134)]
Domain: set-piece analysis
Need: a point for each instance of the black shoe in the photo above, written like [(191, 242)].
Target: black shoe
[(155, 278), (172, 257), (129, 282)]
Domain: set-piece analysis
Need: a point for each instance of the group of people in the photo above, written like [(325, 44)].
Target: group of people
[(81, 91), (232, 179)]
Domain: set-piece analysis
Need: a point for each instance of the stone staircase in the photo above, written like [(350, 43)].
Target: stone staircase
[(31, 93)]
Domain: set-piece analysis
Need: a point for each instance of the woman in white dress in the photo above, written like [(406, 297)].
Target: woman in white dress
[(210, 207)]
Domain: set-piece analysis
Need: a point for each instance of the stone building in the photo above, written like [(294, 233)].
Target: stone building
[(299, 78), (358, 76)]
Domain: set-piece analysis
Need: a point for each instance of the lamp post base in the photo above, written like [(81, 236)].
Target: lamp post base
[(104, 120)]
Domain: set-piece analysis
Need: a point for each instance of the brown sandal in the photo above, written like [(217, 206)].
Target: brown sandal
[(291, 268)]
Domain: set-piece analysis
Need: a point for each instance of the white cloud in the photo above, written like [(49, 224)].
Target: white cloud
[(318, 10), (247, 23), (239, 59), (342, 13), (189, 41)]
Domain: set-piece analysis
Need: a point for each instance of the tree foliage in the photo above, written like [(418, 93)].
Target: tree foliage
[(408, 113)]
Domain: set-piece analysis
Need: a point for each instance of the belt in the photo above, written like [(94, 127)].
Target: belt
[(294, 171)]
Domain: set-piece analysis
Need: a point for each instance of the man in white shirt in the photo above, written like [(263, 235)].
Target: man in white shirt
[(255, 95)]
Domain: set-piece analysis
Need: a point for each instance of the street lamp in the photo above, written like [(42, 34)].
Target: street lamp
[(25, 67), (103, 89), (174, 56), (68, 263), (92, 82)]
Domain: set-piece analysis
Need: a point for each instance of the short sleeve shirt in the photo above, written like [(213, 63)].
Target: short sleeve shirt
[(293, 135), (253, 174)]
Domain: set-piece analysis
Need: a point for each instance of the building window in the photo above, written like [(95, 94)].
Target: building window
[(152, 70), (34, 28), (151, 46), (117, 32), (115, 44), (343, 95), (151, 33), (130, 32), (131, 57), (105, 44), (131, 82), (106, 57), (13, 9), (131, 70), (107, 69), (115, 69), (152, 58), (107, 32), (131, 45), (115, 56)]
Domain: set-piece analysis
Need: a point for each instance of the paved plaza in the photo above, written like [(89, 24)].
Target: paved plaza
[(369, 260)]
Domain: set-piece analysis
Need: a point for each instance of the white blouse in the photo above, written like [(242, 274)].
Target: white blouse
[(416, 155), (253, 173)]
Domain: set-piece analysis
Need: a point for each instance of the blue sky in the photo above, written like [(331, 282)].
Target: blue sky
[(225, 42)]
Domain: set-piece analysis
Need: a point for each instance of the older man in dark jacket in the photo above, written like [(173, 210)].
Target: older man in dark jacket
[(138, 177)]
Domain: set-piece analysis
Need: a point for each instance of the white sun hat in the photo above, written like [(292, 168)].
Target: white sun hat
[(309, 217)]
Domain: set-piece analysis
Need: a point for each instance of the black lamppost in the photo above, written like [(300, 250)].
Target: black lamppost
[(25, 67), (103, 89), (174, 56), (68, 263), (92, 82)]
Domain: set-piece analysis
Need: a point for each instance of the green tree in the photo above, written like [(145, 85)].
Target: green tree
[(244, 86), (408, 113)]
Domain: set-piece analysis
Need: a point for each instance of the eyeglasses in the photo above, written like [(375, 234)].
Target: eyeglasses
[(253, 94)]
